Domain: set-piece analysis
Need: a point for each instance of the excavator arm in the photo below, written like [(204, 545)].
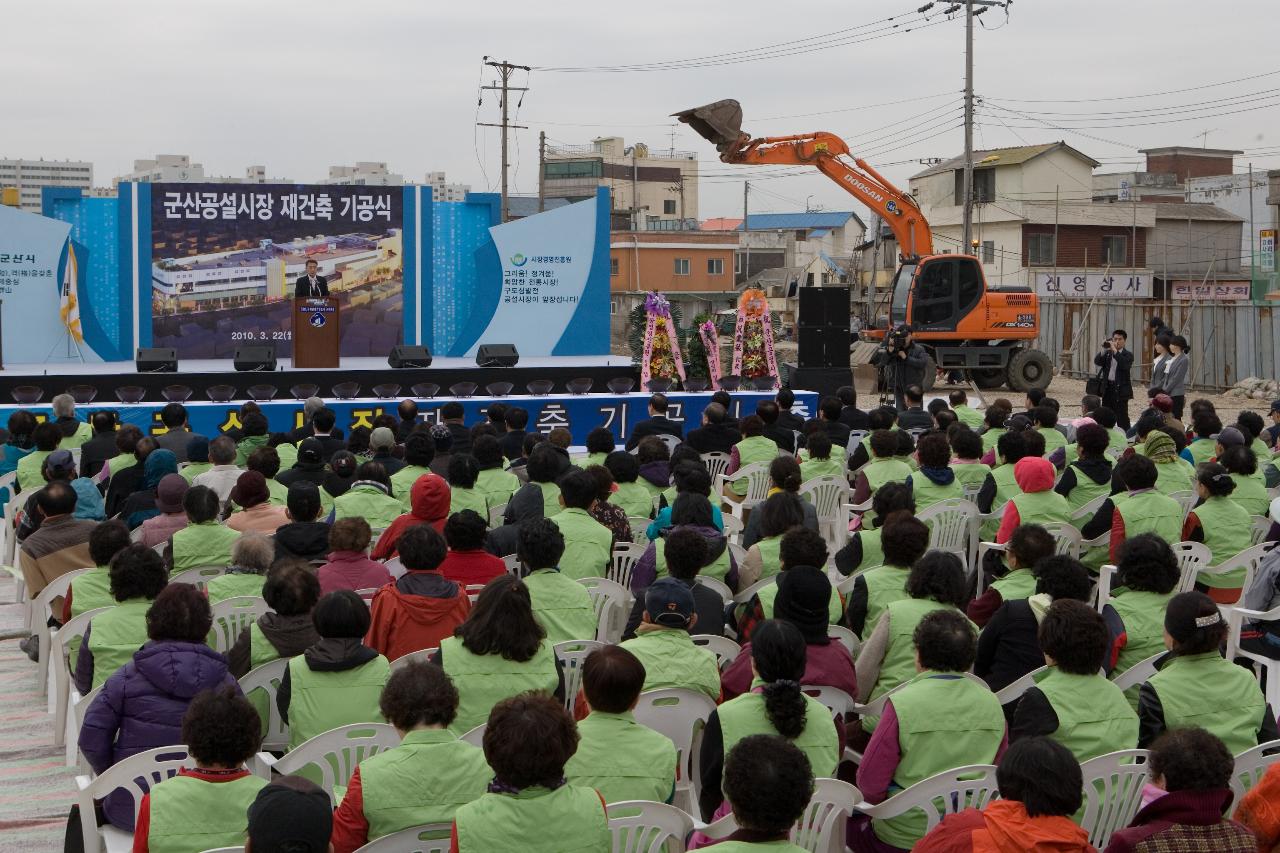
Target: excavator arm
[(720, 123)]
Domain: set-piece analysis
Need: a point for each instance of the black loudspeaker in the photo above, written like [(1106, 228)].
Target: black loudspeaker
[(810, 350), (156, 360), (407, 356), (835, 346), (497, 355), (824, 306), (255, 357), (825, 380), (811, 310)]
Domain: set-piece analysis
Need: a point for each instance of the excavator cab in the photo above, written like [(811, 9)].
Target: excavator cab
[(940, 292)]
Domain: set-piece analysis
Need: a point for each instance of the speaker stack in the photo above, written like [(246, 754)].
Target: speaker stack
[(822, 336)]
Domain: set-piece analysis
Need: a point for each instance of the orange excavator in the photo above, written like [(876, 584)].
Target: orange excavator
[(966, 325)]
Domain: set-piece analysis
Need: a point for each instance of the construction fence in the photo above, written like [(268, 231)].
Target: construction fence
[(1227, 341)]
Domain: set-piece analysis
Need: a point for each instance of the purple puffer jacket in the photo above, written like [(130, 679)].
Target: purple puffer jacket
[(657, 473), (141, 707)]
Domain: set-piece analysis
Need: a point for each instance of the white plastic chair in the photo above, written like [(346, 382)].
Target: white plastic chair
[(736, 551), (721, 588), (1015, 689), (978, 575), (855, 438), (1102, 589), (829, 496), (367, 593), (681, 715), (1250, 765), (39, 609), (1261, 527), (1112, 792), (953, 528), (267, 677), (938, 796), (199, 576), (1248, 559), (1236, 617), (758, 483), (1090, 509), (671, 441), (335, 752), (732, 528), (624, 559), (60, 668), (572, 654), (475, 737), (395, 567), (496, 514), (639, 525), (845, 637), (136, 774), (726, 650), (750, 592), (821, 828), (233, 615), (1067, 539), (428, 838), (75, 722), (421, 655), (640, 826), (971, 491), (611, 603), (717, 464), (1138, 673), (1187, 500), (1193, 557), (839, 703), (512, 562)]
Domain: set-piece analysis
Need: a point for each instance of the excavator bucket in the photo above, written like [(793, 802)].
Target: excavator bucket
[(719, 123)]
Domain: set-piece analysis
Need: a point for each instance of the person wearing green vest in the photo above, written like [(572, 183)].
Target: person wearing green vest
[(864, 549), (800, 548), (75, 432), (1037, 503), (688, 478), (778, 514), (767, 784), (369, 497), (1045, 420), (967, 464), (775, 705), (561, 605), (1206, 425), (268, 462), (528, 741), (337, 681), (663, 645), (617, 756), (655, 467), (286, 630), (419, 450), (1073, 703), (203, 542), (500, 651), (544, 469), (941, 719), (254, 433), (935, 481), (251, 555), (635, 500), (1147, 575), (755, 448), (92, 589), (1141, 508), (207, 806), (600, 443), (497, 485), (1173, 473), (1001, 485), (1251, 489), (821, 463), (30, 468), (887, 658), (423, 780), (883, 467), (1223, 526), (691, 511), (463, 494), (588, 544), (286, 450), (197, 456), (993, 423), (965, 413), (1015, 579), (137, 575), (1254, 429), (903, 540), (1198, 687), (1089, 476)]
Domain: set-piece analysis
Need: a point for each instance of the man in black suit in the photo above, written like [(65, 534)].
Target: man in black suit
[(850, 415), (311, 285), (829, 421), (770, 412), (322, 429), (658, 423), (452, 414), (914, 415), (96, 451), (713, 436), (1115, 362), (787, 419)]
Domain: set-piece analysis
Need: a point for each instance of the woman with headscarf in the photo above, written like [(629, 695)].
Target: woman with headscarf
[(1173, 473), (141, 505), (342, 473), (429, 504)]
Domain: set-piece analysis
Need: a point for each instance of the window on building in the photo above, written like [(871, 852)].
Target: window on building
[(682, 266), (988, 251), (737, 263), (669, 207), (1115, 251), (715, 266), (572, 169), (984, 186), (1040, 250), (613, 306), (613, 266)]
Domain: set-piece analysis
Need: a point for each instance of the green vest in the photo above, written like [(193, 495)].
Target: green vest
[(931, 740), (207, 544), (881, 471), (591, 459), (1117, 441), (899, 664), (770, 549), (588, 545), (885, 584), (472, 499), (288, 454), (622, 759), (758, 847), (1228, 530), (550, 499), (190, 814), (669, 497), (260, 651), (1094, 718), (423, 780), (1213, 693), (116, 635), (1041, 507), (485, 680), (562, 606), (719, 568), (1202, 450), (1018, 584), (872, 552), (279, 494), (767, 594), (1142, 613), (745, 715), (1251, 493), (1151, 512), (30, 468), (567, 820), (1086, 490), (672, 660), (321, 701), (91, 590), (497, 485), (188, 472), (247, 446), (1176, 476), (402, 482), (370, 503), (751, 450), (927, 493), (1006, 485), (234, 586), (635, 500), (970, 473), (968, 415), (1260, 452), (83, 433), (1053, 439), (812, 469), (991, 438)]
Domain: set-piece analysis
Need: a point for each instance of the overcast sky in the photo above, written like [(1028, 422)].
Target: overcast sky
[(300, 86)]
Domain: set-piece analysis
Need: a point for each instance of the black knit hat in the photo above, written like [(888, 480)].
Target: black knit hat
[(291, 814), (804, 596)]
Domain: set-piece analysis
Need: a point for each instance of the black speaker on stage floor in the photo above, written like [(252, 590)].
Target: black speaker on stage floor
[(407, 356), (497, 355), (156, 360), (255, 357), (824, 306)]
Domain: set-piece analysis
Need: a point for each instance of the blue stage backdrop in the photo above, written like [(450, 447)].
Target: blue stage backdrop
[(579, 414), (207, 267)]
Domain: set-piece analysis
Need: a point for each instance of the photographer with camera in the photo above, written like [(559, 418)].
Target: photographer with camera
[(1114, 363), (902, 361)]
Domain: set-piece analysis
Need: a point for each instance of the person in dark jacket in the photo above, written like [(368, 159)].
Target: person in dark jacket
[(687, 550), (713, 436), (141, 705), (341, 474), (657, 424), (383, 443), (828, 419), (291, 591), (128, 481), (526, 504), (452, 414), (780, 435), (141, 505), (310, 465), (408, 412), (305, 537), (850, 415), (914, 416), (512, 441), (902, 362), (102, 446), (787, 419), (1114, 363), (655, 465), (323, 430)]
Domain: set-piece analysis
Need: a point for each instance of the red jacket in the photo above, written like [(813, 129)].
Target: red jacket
[(402, 622), (472, 567), (1004, 827), (429, 499)]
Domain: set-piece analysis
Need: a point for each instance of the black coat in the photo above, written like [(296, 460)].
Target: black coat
[(1123, 385), (659, 425), (713, 438), (95, 452), (899, 373), (302, 287)]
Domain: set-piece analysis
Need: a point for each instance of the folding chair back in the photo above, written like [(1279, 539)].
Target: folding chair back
[(1192, 558), (953, 527), (1250, 765), (198, 576), (717, 464), (135, 774), (681, 715), (822, 826), (60, 667), (421, 655), (610, 600)]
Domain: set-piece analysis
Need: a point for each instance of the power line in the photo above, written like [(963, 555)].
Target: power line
[(1135, 97)]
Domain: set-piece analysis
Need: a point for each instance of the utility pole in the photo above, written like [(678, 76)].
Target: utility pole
[(746, 264), (967, 185), (542, 165), (505, 70)]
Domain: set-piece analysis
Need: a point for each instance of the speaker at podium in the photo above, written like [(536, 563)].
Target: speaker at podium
[(316, 332)]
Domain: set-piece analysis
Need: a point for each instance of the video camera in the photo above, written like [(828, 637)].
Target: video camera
[(897, 339)]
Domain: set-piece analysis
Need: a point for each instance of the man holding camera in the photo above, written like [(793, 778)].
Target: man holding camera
[(902, 361), (1114, 363)]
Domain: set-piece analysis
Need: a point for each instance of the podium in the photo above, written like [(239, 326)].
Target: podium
[(315, 332)]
